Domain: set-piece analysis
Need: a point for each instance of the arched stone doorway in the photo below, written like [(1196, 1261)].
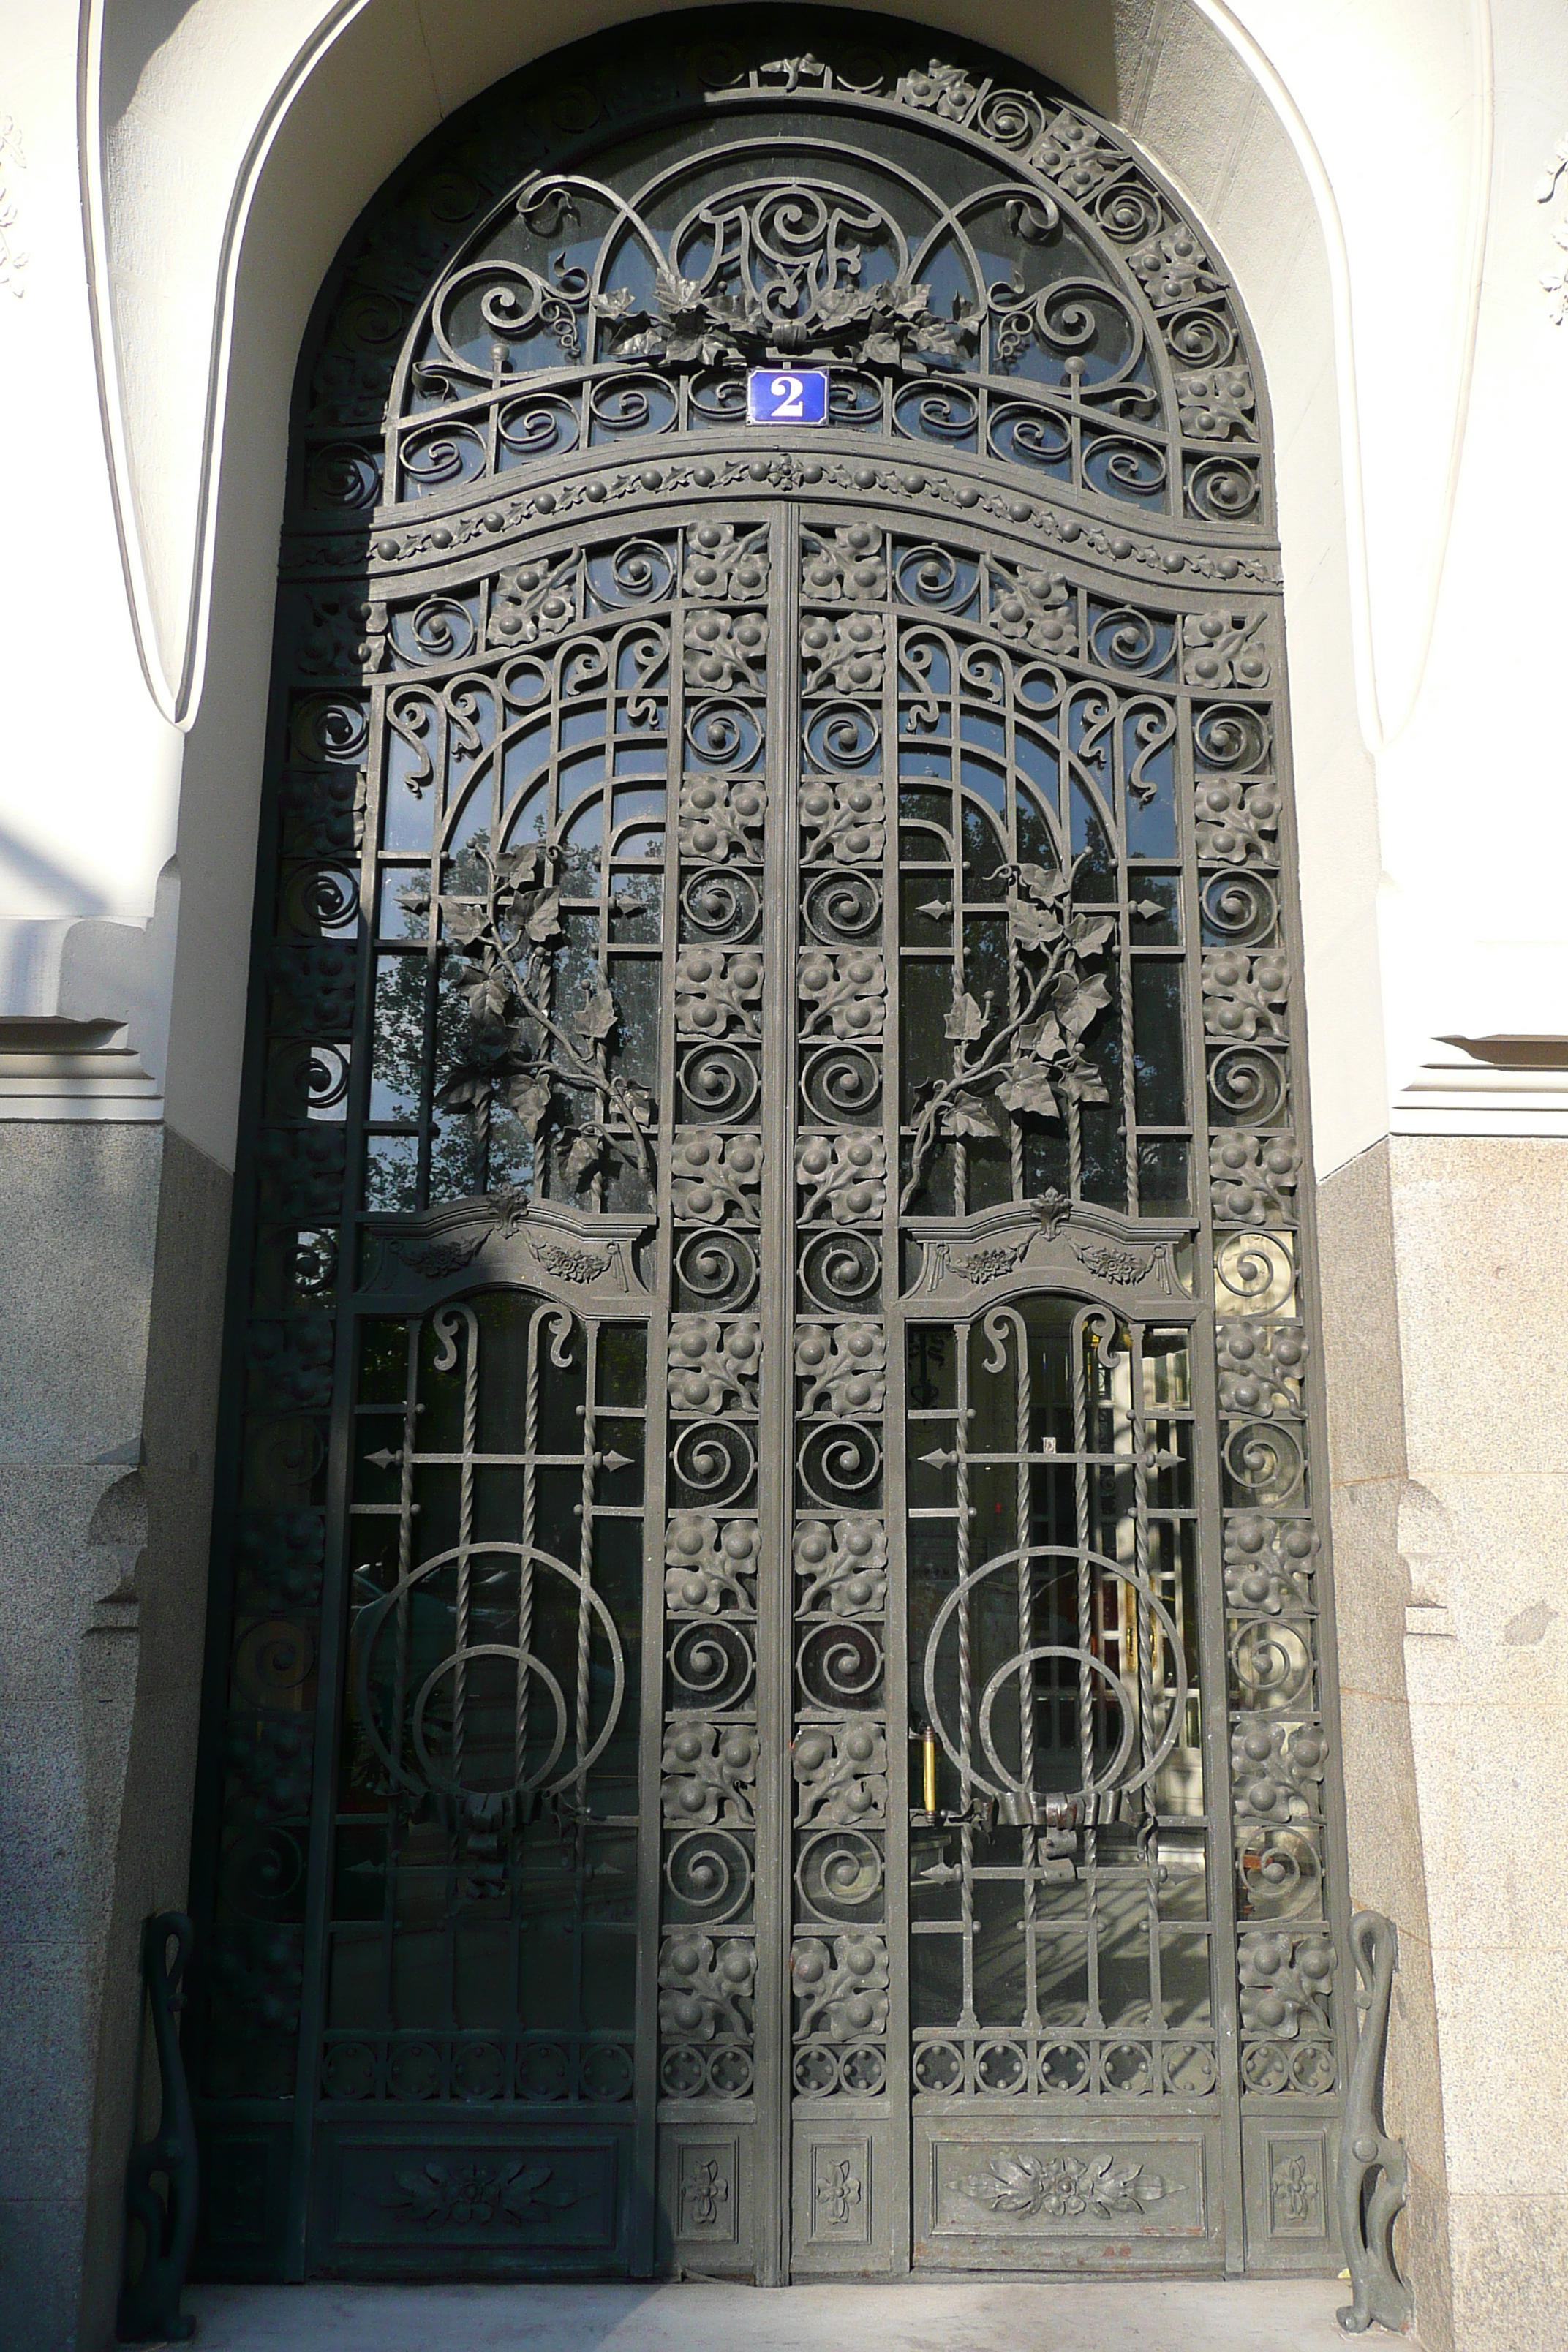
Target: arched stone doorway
[(777, 1712)]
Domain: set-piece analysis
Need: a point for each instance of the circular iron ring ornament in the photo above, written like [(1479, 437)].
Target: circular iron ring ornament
[(371, 1621), (1006, 1784)]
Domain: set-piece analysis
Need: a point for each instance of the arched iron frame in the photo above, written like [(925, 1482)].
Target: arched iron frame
[(1158, 576)]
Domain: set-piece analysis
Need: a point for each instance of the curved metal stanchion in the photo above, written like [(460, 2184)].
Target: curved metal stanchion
[(162, 2176), (1374, 2170)]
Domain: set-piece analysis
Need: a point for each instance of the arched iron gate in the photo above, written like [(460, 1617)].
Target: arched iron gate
[(770, 1707)]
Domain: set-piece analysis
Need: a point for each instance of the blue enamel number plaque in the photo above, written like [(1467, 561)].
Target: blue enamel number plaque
[(786, 396)]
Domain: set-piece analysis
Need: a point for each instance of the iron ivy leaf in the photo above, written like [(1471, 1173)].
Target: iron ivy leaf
[(923, 1095), (965, 1115), (637, 1099), (522, 868), (1082, 1082), (545, 917), (1077, 1004), (597, 1018), (1034, 928), (1089, 933), (965, 1021), (525, 1041), (463, 920), (1025, 1088), (847, 305), (464, 1090), (1043, 1039), (938, 341), (529, 1099), (487, 989), (1042, 885), (583, 1160), (490, 1043)]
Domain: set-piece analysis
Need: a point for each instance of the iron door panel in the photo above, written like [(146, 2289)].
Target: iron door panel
[(1126, 2194), (782, 1247), (423, 2201)]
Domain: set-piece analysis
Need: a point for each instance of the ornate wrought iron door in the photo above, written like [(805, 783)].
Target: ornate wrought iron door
[(776, 1705)]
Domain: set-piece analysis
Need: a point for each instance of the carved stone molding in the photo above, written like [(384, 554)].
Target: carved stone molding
[(1374, 2170), (1556, 281), (14, 257)]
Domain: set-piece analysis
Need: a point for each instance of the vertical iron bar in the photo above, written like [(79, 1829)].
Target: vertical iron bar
[(896, 1635), (1023, 1535), (775, 1679), (1209, 1535), (645, 2230), (969, 2020)]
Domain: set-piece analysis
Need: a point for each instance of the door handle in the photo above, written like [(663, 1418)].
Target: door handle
[(979, 1813)]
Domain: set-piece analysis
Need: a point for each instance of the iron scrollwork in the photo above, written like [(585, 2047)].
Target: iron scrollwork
[(1081, 328), (771, 948)]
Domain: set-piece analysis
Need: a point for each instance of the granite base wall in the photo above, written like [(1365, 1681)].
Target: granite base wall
[(112, 1255), (76, 1244), (1481, 1235), (1368, 1477), (152, 1862)]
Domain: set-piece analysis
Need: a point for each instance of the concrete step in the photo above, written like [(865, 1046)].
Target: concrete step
[(1099, 2315)]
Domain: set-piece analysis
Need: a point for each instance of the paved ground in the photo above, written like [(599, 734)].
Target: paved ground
[(1101, 2316)]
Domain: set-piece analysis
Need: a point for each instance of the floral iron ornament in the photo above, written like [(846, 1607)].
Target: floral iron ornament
[(785, 279), (779, 271), (1060, 2187), (520, 1053), (1033, 1060), (687, 324)]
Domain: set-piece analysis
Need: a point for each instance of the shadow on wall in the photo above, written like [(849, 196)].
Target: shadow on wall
[(113, 1262), (30, 874)]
